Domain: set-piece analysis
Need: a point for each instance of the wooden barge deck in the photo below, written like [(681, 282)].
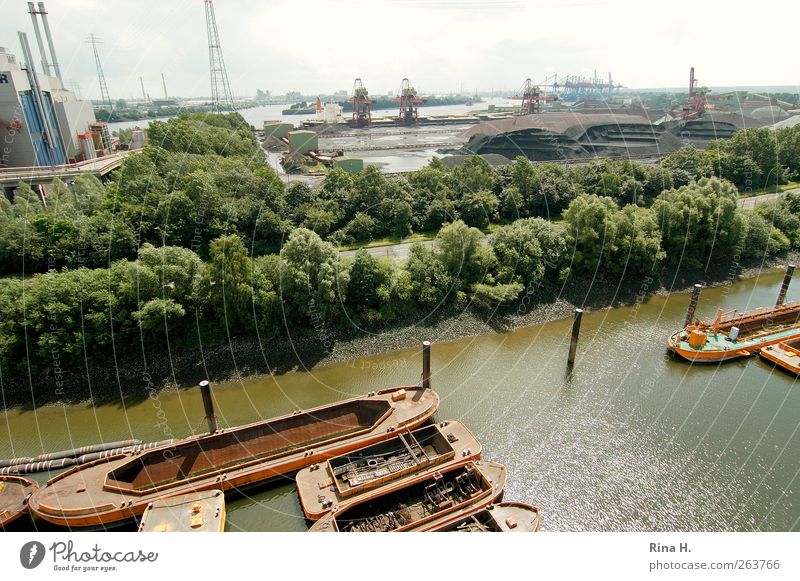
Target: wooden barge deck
[(348, 478), (785, 355), (15, 492), (196, 512), (117, 489)]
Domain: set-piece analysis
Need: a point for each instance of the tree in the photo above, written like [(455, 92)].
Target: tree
[(591, 231), (430, 283), (700, 222), (314, 279), (464, 255), (367, 277), (228, 284), (479, 208), (519, 254)]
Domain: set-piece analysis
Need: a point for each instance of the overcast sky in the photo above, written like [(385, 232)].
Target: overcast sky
[(441, 45)]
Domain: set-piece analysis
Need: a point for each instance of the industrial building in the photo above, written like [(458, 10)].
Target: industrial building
[(43, 123)]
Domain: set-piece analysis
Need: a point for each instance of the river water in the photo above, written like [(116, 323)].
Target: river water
[(630, 440)]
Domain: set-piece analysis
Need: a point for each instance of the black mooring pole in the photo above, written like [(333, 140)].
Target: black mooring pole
[(573, 342), (208, 404), (787, 278), (693, 303), (426, 364)]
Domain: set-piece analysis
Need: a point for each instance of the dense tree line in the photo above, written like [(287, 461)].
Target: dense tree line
[(172, 293), (203, 176), (195, 240), (752, 159)]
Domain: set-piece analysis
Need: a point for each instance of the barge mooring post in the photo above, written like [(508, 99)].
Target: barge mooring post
[(573, 342), (787, 278), (208, 404), (693, 303), (426, 364)]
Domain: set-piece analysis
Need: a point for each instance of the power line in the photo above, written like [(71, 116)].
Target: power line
[(94, 40), (221, 95)]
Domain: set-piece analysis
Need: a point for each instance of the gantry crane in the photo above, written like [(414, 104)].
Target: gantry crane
[(532, 98), (695, 106), (409, 100), (361, 105)]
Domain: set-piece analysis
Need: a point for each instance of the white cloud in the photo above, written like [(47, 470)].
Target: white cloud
[(315, 46)]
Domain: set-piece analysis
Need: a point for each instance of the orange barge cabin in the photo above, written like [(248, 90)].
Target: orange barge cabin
[(113, 490), (785, 354), (196, 512), (15, 493), (423, 503), (505, 517), (348, 478)]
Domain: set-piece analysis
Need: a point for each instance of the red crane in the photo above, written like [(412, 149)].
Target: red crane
[(532, 98), (409, 100), (361, 105), (695, 106)]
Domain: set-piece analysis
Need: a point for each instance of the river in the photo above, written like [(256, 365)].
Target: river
[(630, 440)]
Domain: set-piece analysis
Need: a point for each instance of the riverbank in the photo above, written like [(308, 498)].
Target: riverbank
[(127, 378)]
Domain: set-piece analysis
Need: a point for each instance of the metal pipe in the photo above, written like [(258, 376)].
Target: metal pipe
[(53, 58), (573, 342), (208, 404), (693, 304), (35, 21), (37, 91), (787, 278), (426, 364)]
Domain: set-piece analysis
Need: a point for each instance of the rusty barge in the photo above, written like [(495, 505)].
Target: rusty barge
[(114, 490)]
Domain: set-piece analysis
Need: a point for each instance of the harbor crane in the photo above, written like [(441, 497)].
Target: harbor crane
[(409, 101), (361, 105), (532, 98), (695, 106)]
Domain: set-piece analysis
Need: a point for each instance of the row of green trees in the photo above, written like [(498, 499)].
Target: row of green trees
[(204, 176), (752, 159), (169, 293)]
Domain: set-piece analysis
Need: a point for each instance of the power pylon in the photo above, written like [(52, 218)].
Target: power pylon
[(221, 95), (94, 40)]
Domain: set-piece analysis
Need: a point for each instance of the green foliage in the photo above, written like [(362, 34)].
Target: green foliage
[(700, 222), (463, 254), (203, 133)]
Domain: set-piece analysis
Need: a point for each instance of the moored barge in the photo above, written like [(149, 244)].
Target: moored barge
[(348, 478), (15, 492), (736, 334), (113, 490), (422, 503), (504, 517), (785, 354)]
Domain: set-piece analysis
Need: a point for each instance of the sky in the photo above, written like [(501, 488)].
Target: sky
[(442, 46)]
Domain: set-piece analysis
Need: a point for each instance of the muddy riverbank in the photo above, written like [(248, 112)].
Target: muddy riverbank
[(130, 378)]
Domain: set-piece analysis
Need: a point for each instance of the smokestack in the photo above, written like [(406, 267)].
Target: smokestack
[(144, 94), (36, 89), (53, 59), (164, 82), (35, 21)]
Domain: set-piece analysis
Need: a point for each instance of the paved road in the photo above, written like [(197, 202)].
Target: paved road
[(395, 251), (754, 201)]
